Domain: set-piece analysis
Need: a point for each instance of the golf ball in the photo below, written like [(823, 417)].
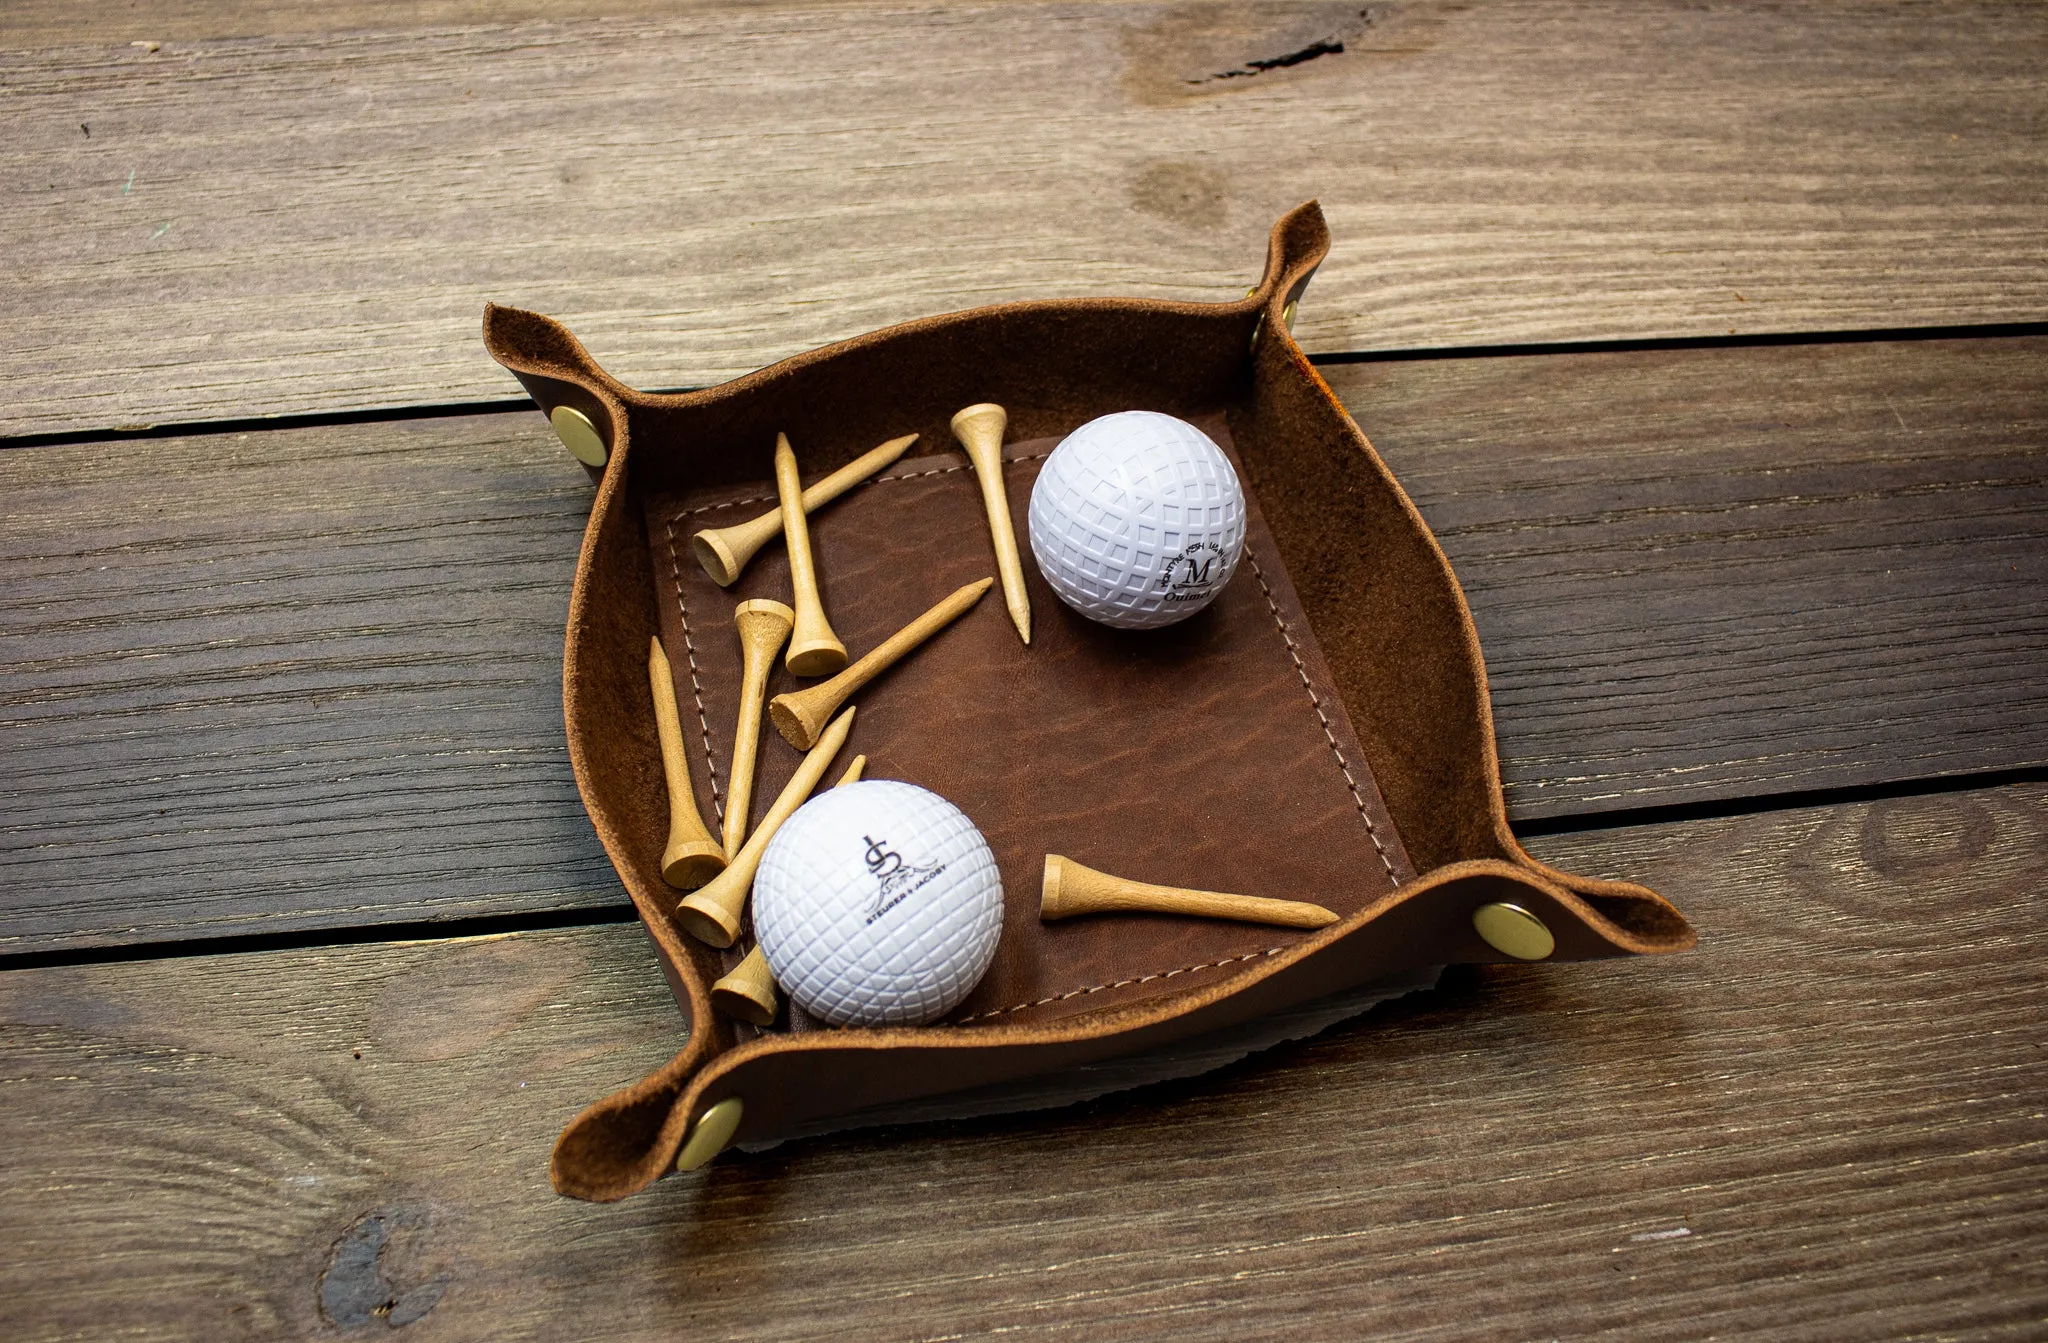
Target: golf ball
[(1137, 519), (878, 904)]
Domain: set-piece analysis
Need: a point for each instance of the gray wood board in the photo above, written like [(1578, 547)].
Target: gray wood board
[(1738, 572), (230, 226), (289, 678), (309, 678), (1825, 1122)]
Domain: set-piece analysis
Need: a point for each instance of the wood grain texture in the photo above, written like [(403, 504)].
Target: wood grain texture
[(26, 25), (1826, 1122), (309, 678), (258, 681), (230, 226), (1736, 572)]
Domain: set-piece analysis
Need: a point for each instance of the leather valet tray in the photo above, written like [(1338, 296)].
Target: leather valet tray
[(1321, 732)]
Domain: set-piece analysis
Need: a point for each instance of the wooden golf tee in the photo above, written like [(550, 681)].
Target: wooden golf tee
[(814, 650), (801, 714), (762, 625), (1070, 889), (724, 551), (712, 913), (747, 991), (980, 431), (692, 857)]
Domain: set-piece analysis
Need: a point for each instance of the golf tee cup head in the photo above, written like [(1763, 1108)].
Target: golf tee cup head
[(878, 904), (1137, 520)]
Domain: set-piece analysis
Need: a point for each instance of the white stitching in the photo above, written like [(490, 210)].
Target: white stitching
[(1121, 984), (874, 480), (696, 687), (1331, 737)]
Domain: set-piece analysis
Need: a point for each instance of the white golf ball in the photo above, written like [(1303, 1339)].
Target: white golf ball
[(878, 904), (1137, 519)]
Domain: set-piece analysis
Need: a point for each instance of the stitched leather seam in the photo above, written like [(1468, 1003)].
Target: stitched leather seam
[(769, 498), (1372, 831), (696, 686), (1121, 984)]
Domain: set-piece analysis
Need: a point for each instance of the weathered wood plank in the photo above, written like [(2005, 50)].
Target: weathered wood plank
[(287, 678), (26, 25), (1825, 1122), (233, 226), (309, 678), (1735, 572)]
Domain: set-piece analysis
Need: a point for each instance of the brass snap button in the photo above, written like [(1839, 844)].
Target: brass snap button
[(1259, 327), (1513, 931), (713, 1130), (579, 435)]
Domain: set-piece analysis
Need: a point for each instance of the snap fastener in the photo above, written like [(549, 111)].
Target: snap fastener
[(1259, 327), (579, 435), (1513, 931), (713, 1130)]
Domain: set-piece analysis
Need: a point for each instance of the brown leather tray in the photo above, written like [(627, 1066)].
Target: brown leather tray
[(1321, 732)]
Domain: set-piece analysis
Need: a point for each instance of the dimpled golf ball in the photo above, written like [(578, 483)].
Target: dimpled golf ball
[(878, 904), (1137, 520)]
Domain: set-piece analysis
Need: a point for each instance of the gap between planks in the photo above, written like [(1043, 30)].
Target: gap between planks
[(520, 404)]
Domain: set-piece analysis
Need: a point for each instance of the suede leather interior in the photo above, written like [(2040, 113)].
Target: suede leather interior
[(1211, 754)]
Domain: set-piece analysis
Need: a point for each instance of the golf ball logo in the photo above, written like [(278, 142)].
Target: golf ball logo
[(878, 904), (897, 879), (1137, 520), (1189, 576)]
